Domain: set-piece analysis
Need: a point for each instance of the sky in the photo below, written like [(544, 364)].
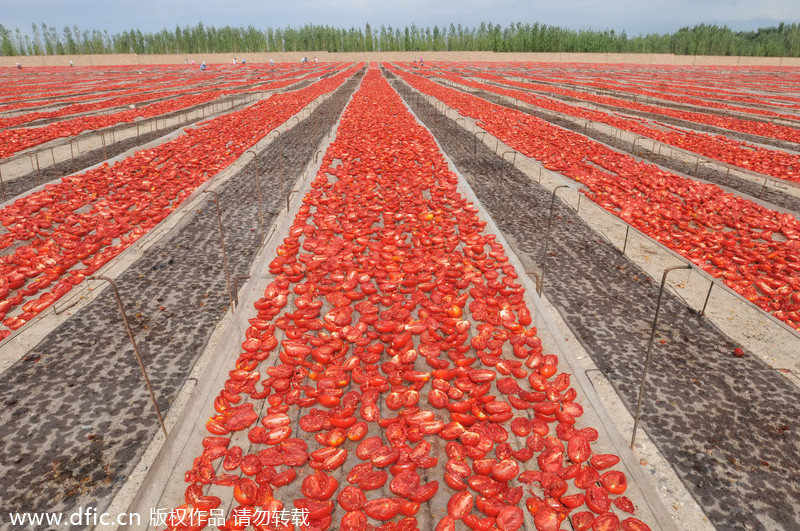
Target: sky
[(634, 17)]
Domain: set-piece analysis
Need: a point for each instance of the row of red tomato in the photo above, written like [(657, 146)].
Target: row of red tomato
[(28, 100), (15, 140), (86, 220), (29, 88), (133, 97), (33, 89), (398, 328), (765, 86), (106, 98), (747, 126), (773, 162), (645, 84), (753, 127), (755, 250)]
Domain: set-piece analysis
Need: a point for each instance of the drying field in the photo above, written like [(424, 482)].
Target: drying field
[(329, 273)]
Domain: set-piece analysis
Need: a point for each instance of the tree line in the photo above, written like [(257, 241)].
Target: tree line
[(778, 41)]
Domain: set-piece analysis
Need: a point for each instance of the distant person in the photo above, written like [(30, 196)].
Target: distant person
[(271, 62), (192, 61), (70, 63), (234, 60), (203, 67), (19, 66), (243, 61), (316, 59), (305, 60), (421, 62)]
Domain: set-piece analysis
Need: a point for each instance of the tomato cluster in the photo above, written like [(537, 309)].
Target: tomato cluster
[(699, 87), (754, 127), (107, 85), (393, 326), (67, 231), (15, 140), (753, 249), (773, 162)]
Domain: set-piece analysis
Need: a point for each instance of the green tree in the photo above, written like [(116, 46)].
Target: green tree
[(7, 41)]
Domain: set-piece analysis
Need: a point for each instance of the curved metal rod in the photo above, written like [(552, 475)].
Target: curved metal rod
[(708, 296), (625, 243), (536, 277), (135, 348), (103, 138), (502, 161), (280, 152), (475, 134), (236, 288), (288, 198), (222, 244), (53, 155), (650, 348), (547, 237), (258, 191), (633, 148)]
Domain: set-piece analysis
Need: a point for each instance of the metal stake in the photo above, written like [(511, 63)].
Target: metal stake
[(708, 296), (135, 348), (547, 237), (650, 348), (625, 244), (502, 160), (55, 167), (258, 191), (288, 198), (536, 277), (38, 169), (222, 244), (236, 288), (280, 154), (475, 149)]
